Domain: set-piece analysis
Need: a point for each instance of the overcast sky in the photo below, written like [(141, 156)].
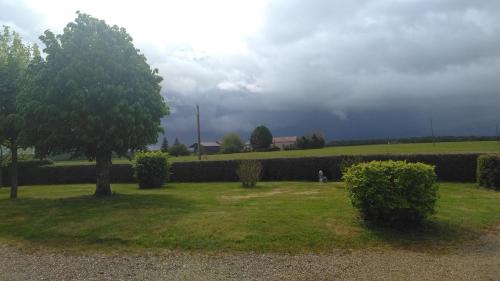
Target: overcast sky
[(353, 69)]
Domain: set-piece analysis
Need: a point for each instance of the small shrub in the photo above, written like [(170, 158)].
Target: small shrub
[(392, 192), (488, 171), (249, 172), (151, 169)]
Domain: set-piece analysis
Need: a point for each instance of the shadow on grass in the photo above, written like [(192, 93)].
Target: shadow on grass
[(121, 219), (430, 235)]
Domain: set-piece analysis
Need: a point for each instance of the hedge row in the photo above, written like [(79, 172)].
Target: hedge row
[(67, 174), (449, 167)]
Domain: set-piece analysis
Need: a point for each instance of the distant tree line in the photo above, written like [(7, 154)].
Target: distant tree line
[(308, 142), (427, 139)]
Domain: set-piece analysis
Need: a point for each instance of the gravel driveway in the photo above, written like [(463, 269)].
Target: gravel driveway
[(477, 261)]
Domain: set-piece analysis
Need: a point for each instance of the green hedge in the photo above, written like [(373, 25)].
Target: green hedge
[(151, 169), (449, 167), (488, 171), (67, 174), (392, 192)]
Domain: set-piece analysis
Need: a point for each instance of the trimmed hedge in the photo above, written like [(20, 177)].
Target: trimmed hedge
[(449, 167), (68, 174), (392, 192), (488, 171), (151, 169)]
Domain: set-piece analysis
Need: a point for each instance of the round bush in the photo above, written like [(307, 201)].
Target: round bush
[(392, 192), (151, 169)]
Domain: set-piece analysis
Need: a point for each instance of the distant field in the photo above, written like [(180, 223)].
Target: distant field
[(417, 148)]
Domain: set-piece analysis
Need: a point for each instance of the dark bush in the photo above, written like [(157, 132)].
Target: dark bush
[(261, 138), (249, 172), (151, 169), (392, 192), (488, 171), (178, 150)]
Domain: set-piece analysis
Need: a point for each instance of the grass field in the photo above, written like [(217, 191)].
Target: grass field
[(444, 147), (273, 217)]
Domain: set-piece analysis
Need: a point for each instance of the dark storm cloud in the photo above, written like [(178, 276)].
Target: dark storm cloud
[(353, 69), (360, 69)]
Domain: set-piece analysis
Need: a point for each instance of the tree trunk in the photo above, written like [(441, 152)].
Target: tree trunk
[(103, 165), (13, 172)]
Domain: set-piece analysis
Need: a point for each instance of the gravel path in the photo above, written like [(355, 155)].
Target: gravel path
[(477, 261)]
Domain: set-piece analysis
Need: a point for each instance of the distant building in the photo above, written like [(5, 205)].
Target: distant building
[(285, 142), (207, 147), (247, 146)]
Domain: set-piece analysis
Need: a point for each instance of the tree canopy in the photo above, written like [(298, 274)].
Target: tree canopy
[(231, 143), (15, 59), (95, 95), (261, 138)]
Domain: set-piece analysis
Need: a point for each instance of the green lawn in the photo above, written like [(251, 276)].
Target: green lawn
[(273, 217), (444, 147)]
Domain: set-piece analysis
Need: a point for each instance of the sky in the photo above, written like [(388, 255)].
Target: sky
[(352, 69)]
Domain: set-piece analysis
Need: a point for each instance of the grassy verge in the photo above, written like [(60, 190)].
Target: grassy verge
[(414, 148), (273, 217)]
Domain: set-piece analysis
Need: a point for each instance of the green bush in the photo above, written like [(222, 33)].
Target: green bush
[(151, 169), (231, 143), (488, 171), (392, 192), (249, 172), (178, 150)]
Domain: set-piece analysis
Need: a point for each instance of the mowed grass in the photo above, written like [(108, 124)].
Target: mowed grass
[(413, 148), (291, 217)]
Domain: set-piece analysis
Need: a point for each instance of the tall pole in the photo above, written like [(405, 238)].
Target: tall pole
[(199, 135), (432, 133)]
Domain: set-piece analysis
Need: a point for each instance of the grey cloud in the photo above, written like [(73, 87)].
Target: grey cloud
[(436, 59), (22, 19), (351, 68)]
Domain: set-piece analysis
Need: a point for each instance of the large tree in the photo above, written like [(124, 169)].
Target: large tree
[(15, 57), (261, 138), (97, 96)]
